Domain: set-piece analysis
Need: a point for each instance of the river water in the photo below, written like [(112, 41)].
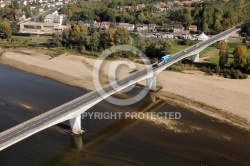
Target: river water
[(195, 139)]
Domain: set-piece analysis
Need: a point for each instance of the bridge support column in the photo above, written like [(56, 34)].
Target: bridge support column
[(153, 98), (151, 83), (195, 57), (75, 125)]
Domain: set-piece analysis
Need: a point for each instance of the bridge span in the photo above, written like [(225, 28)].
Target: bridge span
[(72, 110)]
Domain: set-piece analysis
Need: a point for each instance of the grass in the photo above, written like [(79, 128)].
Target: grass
[(215, 59), (19, 41), (203, 52), (177, 48)]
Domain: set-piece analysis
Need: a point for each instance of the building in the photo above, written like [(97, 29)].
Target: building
[(151, 27), (56, 18), (142, 28), (183, 34), (129, 27), (178, 28), (105, 25), (192, 28), (96, 25), (168, 35), (174, 8), (40, 27)]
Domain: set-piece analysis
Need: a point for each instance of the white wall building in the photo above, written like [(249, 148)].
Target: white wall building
[(40, 27), (55, 18), (129, 27)]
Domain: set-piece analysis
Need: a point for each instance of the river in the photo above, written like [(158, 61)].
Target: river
[(195, 139)]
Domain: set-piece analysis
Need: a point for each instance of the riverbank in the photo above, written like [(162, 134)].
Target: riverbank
[(225, 99)]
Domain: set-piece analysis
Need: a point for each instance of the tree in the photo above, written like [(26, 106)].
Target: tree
[(246, 28), (78, 34), (27, 11), (41, 19), (108, 38), (94, 41), (122, 36), (205, 27), (66, 39), (157, 49), (5, 30), (57, 39), (70, 14), (14, 5), (141, 17), (46, 7), (240, 59), (223, 53)]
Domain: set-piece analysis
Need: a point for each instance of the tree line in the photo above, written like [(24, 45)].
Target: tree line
[(210, 16), (84, 38)]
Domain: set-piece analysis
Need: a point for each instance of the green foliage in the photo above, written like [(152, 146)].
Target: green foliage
[(57, 39), (5, 30), (27, 11), (41, 19), (94, 42), (122, 36), (157, 48), (240, 59), (223, 53), (108, 38), (246, 29), (211, 17), (217, 69)]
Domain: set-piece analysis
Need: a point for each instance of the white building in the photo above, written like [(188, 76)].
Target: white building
[(142, 27), (168, 35), (129, 27), (40, 27), (56, 18)]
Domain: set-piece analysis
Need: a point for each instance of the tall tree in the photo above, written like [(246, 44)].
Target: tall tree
[(57, 39), (108, 38), (27, 11), (122, 36), (223, 53), (94, 41), (5, 30), (240, 59)]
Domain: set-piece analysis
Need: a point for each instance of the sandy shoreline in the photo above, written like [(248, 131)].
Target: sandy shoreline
[(225, 99)]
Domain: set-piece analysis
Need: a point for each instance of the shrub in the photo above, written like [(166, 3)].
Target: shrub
[(209, 72), (21, 34), (217, 69), (245, 76)]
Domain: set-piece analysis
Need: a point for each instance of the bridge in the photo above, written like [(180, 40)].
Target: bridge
[(72, 110)]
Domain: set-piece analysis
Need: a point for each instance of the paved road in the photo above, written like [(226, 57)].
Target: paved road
[(38, 123)]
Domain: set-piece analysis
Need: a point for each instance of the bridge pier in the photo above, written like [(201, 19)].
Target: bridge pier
[(195, 57), (151, 83), (75, 124), (153, 98)]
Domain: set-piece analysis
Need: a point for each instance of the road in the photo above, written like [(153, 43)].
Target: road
[(37, 124), (50, 11)]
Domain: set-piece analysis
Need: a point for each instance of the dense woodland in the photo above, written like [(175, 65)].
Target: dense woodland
[(210, 16)]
